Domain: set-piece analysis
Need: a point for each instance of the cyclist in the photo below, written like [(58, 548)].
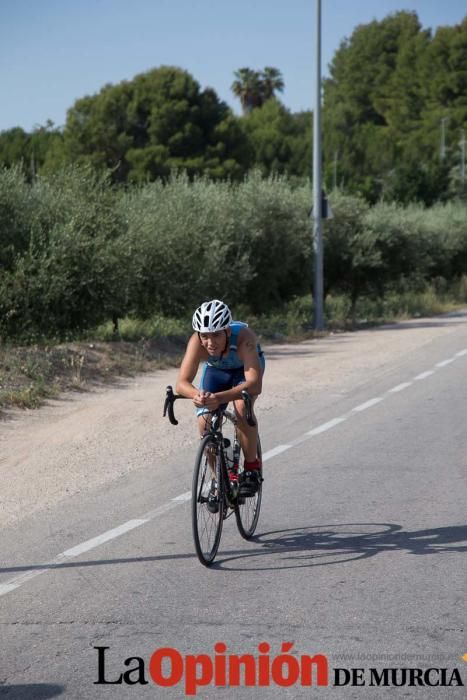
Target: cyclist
[(233, 362)]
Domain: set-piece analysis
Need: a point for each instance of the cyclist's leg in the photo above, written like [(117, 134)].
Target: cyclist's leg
[(247, 434), (212, 380), (250, 476)]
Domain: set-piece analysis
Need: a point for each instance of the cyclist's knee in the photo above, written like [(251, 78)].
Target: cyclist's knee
[(203, 425), (240, 409)]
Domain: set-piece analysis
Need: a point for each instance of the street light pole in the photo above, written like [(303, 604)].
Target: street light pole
[(318, 323)]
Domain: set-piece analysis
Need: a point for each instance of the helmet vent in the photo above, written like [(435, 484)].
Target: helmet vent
[(212, 316)]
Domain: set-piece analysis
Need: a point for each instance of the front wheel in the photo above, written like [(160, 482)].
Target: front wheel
[(247, 509), (207, 503)]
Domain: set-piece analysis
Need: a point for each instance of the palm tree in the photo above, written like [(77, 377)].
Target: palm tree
[(248, 88), (272, 81), (254, 88)]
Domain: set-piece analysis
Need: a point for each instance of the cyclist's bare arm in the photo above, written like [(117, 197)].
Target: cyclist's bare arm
[(246, 349), (194, 354)]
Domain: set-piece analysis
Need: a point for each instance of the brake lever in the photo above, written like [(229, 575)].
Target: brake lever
[(249, 413), (169, 405)]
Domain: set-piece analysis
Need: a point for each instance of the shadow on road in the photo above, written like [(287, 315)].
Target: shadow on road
[(337, 544), (33, 691), (304, 546)]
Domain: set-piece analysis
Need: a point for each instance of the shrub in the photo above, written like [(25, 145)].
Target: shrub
[(72, 274)]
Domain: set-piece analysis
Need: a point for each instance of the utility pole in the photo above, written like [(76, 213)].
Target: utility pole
[(442, 146), (318, 321)]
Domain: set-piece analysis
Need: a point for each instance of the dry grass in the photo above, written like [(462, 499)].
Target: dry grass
[(31, 374)]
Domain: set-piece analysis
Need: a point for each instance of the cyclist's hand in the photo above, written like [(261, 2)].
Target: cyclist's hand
[(204, 399), (211, 401), (199, 399)]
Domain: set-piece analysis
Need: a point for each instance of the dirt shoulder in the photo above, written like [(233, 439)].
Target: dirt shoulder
[(84, 440), (31, 374)]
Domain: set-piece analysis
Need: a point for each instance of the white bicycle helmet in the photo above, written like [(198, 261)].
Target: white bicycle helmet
[(212, 316)]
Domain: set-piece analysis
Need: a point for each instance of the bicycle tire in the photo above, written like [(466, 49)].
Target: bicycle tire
[(247, 513), (206, 525)]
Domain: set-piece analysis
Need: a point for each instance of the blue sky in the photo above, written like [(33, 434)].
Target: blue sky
[(54, 51)]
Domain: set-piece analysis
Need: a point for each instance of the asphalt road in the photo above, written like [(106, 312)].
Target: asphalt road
[(359, 555)]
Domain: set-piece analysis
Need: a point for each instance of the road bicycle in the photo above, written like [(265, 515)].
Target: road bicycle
[(217, 479)]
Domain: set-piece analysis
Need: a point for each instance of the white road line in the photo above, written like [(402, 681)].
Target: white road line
[(275, 451), (424, 375), (18, 581), (445, 362), (183, 497), (105, 537), (8, 587), (461, 353), (298, 440), (14, 583), (327, 426), (368, 404), (399, 387)]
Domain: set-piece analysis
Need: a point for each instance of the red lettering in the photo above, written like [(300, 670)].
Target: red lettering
[(264, 671), (248, 663), (220, 670), (321, 663), (192, 679), (176, 668), (289, 663)]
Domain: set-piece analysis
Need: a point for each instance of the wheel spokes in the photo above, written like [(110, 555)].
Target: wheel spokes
[(207, 512)]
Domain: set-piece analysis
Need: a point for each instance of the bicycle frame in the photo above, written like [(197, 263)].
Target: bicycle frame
[(214, 426), (227, 489)]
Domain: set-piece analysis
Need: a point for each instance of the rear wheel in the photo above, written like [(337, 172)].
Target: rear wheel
[(247, 509), (207, 504)]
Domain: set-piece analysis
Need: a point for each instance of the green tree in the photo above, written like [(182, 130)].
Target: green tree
[(280, 141), (254, 88), (356, 110), (14, 147), (444, 75), (267, 128), (412, 181), (159, 121), (68, 266), (29, 150), (300, 138), (272, 82), (44, 141), (368, 250), (16, 210), (390, 85), (247, 87)]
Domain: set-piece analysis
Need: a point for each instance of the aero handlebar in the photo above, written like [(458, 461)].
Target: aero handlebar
[(170, 399)]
